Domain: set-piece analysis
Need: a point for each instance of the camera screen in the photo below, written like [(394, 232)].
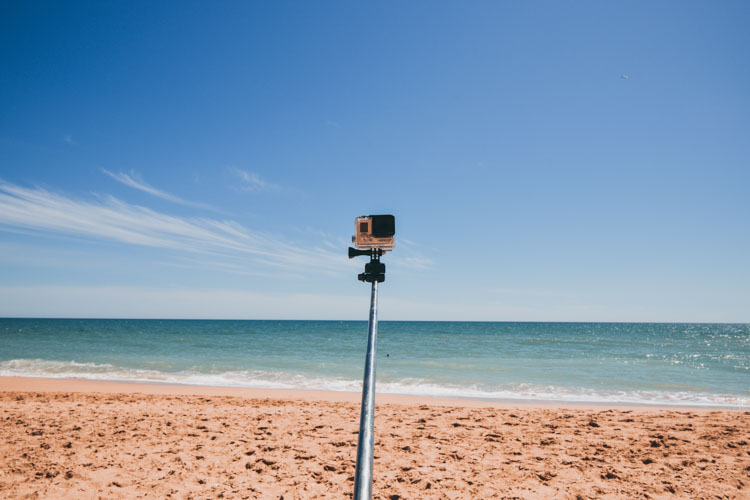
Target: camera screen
[(383, 226)]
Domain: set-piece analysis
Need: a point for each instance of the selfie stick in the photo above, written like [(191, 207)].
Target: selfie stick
[(374, 273)]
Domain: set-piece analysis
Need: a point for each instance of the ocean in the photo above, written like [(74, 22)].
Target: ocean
[(662, 364)]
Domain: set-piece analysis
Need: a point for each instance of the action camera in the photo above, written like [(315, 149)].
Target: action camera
[(374, 232)]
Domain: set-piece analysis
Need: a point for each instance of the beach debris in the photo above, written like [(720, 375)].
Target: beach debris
[(610, 475), (546, 476)]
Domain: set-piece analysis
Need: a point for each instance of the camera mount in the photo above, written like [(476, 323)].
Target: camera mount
[(374, 270)]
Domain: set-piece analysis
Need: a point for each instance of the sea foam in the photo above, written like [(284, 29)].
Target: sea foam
[(416, 387)]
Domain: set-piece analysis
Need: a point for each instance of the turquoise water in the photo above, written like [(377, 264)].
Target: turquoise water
[(690, 364)]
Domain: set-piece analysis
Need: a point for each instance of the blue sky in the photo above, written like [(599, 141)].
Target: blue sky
[(545, 160)]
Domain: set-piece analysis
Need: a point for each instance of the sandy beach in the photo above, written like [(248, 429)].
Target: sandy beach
[(81, 439)]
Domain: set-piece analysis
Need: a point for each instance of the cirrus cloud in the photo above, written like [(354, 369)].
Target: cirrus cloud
[(135, 181), (39, 210)]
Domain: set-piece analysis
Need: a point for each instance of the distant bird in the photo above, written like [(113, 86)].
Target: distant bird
[(624, 77)]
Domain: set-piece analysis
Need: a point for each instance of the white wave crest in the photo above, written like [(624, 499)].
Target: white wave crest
[(416, 387)]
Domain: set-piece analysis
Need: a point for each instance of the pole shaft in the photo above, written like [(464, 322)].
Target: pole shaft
[(365, 444)]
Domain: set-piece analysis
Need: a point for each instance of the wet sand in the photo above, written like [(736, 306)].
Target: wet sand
[(78, 439)]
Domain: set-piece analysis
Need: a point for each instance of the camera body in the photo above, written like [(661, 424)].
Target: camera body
[(374, 232)]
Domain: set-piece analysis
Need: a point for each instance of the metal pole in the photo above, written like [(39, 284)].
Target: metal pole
[(363, 475)]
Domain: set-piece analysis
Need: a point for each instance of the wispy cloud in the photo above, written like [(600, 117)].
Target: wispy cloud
[(411, 255), (68, 139), (252, 181), (40, 210), (418, 262), (136, 182)]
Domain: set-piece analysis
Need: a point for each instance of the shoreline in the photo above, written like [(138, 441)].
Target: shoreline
[(82, 385)]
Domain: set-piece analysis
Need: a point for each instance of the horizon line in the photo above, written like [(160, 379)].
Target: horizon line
[(383, 320)]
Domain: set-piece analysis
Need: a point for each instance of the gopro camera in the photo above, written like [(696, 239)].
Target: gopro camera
[(374, 232)]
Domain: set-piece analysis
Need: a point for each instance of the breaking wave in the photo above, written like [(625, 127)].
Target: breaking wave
[(409, 386)]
